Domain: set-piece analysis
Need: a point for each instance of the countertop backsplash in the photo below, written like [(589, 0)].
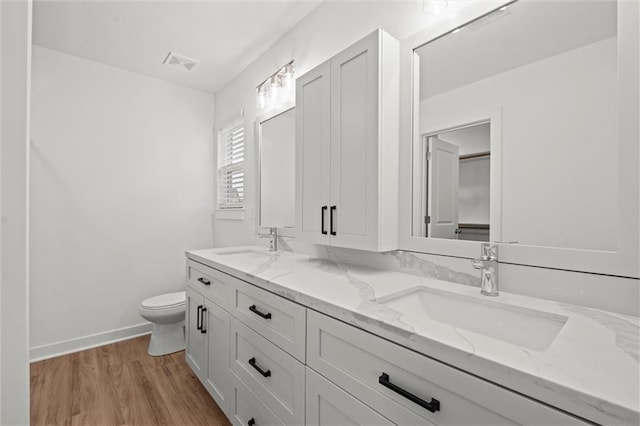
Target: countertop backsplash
[(617, 294)]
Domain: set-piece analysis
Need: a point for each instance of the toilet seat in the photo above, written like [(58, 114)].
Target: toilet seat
[(165, 301)]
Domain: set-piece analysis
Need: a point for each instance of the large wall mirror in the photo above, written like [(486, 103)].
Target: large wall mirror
[(520, 129), (276, 148)]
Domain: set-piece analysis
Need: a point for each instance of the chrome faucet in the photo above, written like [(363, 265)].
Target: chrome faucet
[(273, 238), (488, 265)]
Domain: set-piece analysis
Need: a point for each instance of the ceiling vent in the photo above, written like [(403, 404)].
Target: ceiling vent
[(488, 18), (175, 60)]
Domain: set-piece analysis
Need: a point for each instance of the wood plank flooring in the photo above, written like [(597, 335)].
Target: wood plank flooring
[(119, 384)]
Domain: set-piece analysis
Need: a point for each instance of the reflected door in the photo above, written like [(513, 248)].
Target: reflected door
[(443, 166)]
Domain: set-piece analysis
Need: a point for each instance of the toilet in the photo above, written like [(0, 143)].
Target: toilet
[(166, 312)]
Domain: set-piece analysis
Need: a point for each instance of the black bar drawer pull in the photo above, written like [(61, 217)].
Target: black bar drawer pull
[(324, 209), (199, 319), (333, 208), (202, 329), (204, 281), (253, 309), (251, 422), (252, 362), (432, 406)]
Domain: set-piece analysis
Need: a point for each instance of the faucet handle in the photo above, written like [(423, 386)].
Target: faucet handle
[(273, 232), (489, 251)]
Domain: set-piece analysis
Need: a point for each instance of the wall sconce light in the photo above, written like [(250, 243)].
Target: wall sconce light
[(277, 89), (434, 7)]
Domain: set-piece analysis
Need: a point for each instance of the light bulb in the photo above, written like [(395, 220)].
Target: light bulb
[(273, 92), (260, 97)]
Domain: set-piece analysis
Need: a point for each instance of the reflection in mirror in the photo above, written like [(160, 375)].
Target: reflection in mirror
[(456, 168), (547, 71), (277, 169)]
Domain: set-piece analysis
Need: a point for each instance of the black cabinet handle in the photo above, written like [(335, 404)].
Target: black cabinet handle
[(202, 329), (253, 309), (333, 208), (251, 422), (324, 209), (433, 405), (199, 319), (204, 281), (252, 362)]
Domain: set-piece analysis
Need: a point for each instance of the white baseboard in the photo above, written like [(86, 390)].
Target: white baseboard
[(39, 353)]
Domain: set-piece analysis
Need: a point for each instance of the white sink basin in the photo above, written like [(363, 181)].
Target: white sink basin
[(520, 326)]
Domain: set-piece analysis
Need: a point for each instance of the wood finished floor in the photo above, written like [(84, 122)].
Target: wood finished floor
[(119, 384)]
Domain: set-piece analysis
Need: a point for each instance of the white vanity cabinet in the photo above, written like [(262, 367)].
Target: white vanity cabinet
[(270, 360), (327, 404), (195, 339), (347, 147), (410, 388), (207, 346), (249, 351)]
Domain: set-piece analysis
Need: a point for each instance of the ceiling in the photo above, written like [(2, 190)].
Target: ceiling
[(225, 36), (526, 32)]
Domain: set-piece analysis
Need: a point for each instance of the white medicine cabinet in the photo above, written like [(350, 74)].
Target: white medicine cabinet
[(347, 147)]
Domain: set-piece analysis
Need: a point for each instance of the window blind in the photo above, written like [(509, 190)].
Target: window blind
[(231, 166)]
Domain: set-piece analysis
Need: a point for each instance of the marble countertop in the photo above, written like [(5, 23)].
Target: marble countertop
[(591, 369)]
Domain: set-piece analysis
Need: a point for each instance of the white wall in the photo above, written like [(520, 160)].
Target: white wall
[(15, 38), (330, 28), (121, 184), (559, 118)]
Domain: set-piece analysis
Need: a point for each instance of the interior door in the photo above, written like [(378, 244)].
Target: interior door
[(443, 173)]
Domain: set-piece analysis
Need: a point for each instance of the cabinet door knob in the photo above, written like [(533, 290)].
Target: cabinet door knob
[(253, 309), (251, 422), (433, 405), (333, 209), (252, 362), (199, 318), (322, 210), (204, 281)]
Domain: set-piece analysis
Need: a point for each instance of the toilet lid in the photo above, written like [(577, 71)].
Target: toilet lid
[(163, 301)]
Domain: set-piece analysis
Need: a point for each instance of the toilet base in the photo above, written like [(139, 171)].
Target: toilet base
[(166, 339)]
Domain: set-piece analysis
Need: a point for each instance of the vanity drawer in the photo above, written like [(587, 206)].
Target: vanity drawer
[(327, 404), (277, 319), (214, 285), (358, 361), (246, 406), (275, 377)]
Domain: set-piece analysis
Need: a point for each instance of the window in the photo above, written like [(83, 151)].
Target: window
[(231, 166)]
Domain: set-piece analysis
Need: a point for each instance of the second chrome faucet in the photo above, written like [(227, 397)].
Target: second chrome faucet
[(487, 263)]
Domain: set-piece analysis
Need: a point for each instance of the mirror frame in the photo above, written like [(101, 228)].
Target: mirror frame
[(274, 112), (625, 261)]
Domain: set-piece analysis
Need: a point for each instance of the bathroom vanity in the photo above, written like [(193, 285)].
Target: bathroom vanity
[(284, 338)]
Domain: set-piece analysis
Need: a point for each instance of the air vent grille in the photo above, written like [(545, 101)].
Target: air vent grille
[(486, 19), (182, 62)]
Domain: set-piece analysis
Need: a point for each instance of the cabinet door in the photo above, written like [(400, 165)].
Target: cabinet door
[(354, 145), (327, 404), (216, 329), (195, 348), (313, 154)]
